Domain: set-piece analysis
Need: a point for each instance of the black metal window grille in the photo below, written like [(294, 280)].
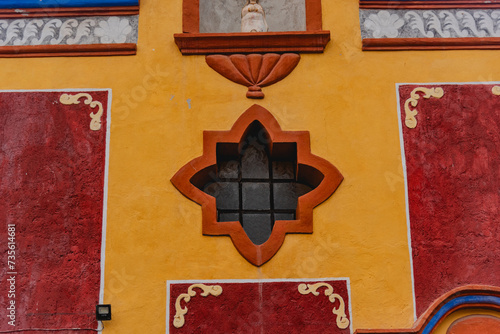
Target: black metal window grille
[(255, 186)]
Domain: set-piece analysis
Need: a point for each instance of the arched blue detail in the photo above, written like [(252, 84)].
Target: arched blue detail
[(13, 4), (473, 299)]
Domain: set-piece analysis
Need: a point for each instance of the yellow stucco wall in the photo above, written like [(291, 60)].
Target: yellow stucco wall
[(345, 98)]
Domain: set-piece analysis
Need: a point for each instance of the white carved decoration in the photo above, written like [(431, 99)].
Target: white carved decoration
[(113, 30), (65, 31), (384, 24), (431, 23)]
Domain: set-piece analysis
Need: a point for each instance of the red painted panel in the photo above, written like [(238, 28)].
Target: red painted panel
[(259, 307), (453, 174), (52, 179)]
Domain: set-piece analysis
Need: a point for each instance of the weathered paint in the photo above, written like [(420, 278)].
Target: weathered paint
[(53, 189), (345, 98), (259, 306), (452, 169)]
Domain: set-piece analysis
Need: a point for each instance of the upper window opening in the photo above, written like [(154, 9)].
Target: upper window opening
[(223, 16), (257, 183)]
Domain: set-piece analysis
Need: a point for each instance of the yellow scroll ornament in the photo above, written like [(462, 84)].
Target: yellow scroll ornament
[(214, 290), (410, 120), (342, 321), (68, 99)]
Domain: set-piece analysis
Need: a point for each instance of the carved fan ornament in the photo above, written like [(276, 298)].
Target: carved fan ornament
[(254, 71), (317, 176), (258, 58)]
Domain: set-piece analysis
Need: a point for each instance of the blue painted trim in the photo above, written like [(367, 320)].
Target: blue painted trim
[(11, 4), (473, 299)]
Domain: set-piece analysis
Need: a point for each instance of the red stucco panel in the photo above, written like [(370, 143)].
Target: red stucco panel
[(453, 181), (261, 307), (52, 168)]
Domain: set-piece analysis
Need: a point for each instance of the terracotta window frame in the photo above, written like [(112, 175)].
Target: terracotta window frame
[(192, 42), (303, 223)]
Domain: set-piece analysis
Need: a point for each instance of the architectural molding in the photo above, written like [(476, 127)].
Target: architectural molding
[(254, 71), (192, 42), (43, 28), (287, 41), (429, 28)]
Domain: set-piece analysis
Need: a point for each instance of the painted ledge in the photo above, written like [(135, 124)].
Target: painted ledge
[(228, 43)]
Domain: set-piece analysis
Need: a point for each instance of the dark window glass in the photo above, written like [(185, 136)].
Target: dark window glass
[(257, 183)]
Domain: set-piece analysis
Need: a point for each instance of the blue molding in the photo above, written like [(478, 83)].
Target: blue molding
[(472, 299), (14, 4)]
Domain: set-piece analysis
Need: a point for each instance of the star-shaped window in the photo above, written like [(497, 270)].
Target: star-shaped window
[(256, 183)]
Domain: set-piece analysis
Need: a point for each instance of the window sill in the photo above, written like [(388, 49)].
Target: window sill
[(229, 43)]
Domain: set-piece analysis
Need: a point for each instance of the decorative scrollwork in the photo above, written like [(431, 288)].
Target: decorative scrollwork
[(214, 290), (496, 90), (68, 99), (342, 321), (410, 119)]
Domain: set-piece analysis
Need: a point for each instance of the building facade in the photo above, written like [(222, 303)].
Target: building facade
[(334, 168)]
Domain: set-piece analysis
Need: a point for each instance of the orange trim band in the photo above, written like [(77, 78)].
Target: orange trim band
[(314, 15), (406, 44), (125, 49), (191, 16), (296, 41)]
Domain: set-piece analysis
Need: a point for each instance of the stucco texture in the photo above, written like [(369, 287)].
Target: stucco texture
[(452, 172), (162, 102)]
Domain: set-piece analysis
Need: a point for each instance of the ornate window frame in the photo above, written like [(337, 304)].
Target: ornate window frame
[(257, 254), (192, 42)]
